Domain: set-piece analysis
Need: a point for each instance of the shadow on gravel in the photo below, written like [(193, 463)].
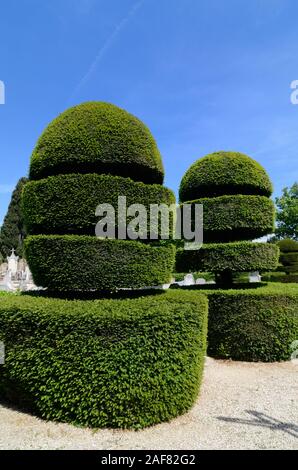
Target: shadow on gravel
[(263, 420)]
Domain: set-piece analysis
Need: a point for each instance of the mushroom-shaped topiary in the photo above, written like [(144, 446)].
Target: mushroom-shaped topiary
[(90, 155), (234, 190)]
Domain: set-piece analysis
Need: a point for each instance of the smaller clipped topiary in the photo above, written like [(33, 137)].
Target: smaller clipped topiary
[(96, 137), (288, 256), (213, 174), (234, 191)]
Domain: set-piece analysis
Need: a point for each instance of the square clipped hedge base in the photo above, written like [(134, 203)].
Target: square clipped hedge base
[(126, 363), (254, 324)]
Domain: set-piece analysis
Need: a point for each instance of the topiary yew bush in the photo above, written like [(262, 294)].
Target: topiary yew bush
[(234, 190), (288, 256), (126, 363), (89, 155)]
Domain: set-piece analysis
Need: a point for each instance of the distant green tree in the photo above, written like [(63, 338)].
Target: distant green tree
[(287, 213), (13, 231)]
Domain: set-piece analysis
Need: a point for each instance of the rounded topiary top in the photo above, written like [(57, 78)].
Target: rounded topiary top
[(288, 245), (224, 173), (96, 137)]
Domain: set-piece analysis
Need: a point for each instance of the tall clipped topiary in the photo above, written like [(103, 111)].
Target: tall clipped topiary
[(89, 155), (235, 192)]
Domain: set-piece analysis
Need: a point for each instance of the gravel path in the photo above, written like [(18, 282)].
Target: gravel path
[(241, 406)]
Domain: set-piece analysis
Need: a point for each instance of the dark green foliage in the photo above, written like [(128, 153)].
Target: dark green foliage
[(287, 245), (289, 262), (97, 137), (237, 217), (234, 190), (253, 325), (77, 262), (67, 203), (288, 256), (104, 363), (237, 257), (13, 230), (222, 173), (287, 213)]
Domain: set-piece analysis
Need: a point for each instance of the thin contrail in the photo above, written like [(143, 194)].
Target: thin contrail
[(107, 45)]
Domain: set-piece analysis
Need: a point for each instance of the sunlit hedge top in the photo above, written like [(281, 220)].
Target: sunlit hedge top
[(224, 173), (96, 137)]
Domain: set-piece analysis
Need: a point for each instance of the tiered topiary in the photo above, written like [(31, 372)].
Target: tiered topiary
[(251, 324), (89, 155), (288, 256), (120, 359), (234, 190)]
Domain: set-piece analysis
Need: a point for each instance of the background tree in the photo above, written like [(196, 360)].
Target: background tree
[(287, 213), (13, 232)]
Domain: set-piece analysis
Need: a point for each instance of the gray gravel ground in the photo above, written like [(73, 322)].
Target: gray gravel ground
[(241, 406)]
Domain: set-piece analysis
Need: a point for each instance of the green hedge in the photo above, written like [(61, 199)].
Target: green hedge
[(66, 203), (253, 325), (223, 173), (280, 277), (97, 137), (104, 363), (77, 262), (288, 245), (289, 262), (237, 217), (237, 256)]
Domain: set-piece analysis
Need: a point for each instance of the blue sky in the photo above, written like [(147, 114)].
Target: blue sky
[(204, 75)]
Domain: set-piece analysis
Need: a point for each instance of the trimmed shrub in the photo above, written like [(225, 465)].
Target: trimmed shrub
[(239, 217), (253, 325), (126, 363), (289, 262), (237, 257), (67, 203), (222, 173), (288, 256), (237, 207), (77, 262), (287, 245), (280, 277), (97, 137)]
